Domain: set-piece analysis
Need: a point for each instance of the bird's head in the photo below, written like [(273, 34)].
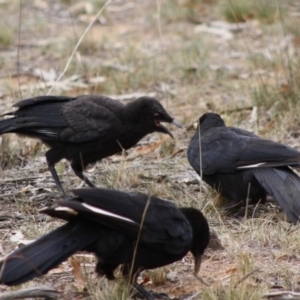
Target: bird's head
[(209, 120), (200, 234), (150, 113)]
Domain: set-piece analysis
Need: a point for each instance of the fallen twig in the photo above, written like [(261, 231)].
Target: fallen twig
[(246, 276), (23, 179), (193, 296), (34, 292), (238, 109), (285, 295)]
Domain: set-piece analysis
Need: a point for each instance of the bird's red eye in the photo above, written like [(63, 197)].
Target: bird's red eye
[(157, 119)]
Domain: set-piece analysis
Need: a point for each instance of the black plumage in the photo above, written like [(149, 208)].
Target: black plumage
[(107, 223), (239, 164), (86, 128)]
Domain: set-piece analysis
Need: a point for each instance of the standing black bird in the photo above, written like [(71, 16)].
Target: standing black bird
[(111, 224), (241, 165), (85, 129)]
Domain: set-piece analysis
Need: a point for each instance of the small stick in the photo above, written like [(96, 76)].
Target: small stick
[(284, 294), (34, 292), (245, 277), (22, 179)]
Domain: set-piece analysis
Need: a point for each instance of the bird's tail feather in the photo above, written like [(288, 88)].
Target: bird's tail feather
[(284, 186), (46, 253), (5, 125)]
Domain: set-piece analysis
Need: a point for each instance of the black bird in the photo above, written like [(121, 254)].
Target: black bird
[(111, 224), (241, 165), (86, 128)]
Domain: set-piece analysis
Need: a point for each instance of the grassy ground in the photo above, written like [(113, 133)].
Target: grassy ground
[(176, 51)]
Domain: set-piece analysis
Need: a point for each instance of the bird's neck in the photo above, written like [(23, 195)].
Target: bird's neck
[(132, 111)]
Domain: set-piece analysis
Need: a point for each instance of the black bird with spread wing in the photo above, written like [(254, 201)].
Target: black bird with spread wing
[(108, 223), (241, 165), (86, 128)]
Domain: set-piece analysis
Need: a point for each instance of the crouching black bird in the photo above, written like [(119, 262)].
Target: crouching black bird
[(241, 165), (85, 129), (111, 224)]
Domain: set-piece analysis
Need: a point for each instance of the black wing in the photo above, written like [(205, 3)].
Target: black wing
[(68, 119), (90, 118), (163, 222), (226, 149), (42, 100)]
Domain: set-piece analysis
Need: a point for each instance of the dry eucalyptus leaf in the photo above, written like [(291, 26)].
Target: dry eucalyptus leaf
[(77, 273)]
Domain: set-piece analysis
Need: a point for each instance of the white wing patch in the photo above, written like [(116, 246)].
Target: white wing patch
[(46, 132), (67, 209), (252, 166), (106, 213)]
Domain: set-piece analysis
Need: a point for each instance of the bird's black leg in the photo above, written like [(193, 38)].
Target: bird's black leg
[(80, 174), (143, 292), (56, 179), (87, 181)]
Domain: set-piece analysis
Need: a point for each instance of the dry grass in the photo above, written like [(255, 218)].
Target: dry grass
[(252, 79), (243, 10)]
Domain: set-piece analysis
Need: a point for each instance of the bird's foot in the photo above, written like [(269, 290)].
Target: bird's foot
[(67, 197), (162, 296), (150, 295)]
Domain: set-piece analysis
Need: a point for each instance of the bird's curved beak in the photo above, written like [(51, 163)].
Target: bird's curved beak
[(165, 130), (197, 264), (174, 122)]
